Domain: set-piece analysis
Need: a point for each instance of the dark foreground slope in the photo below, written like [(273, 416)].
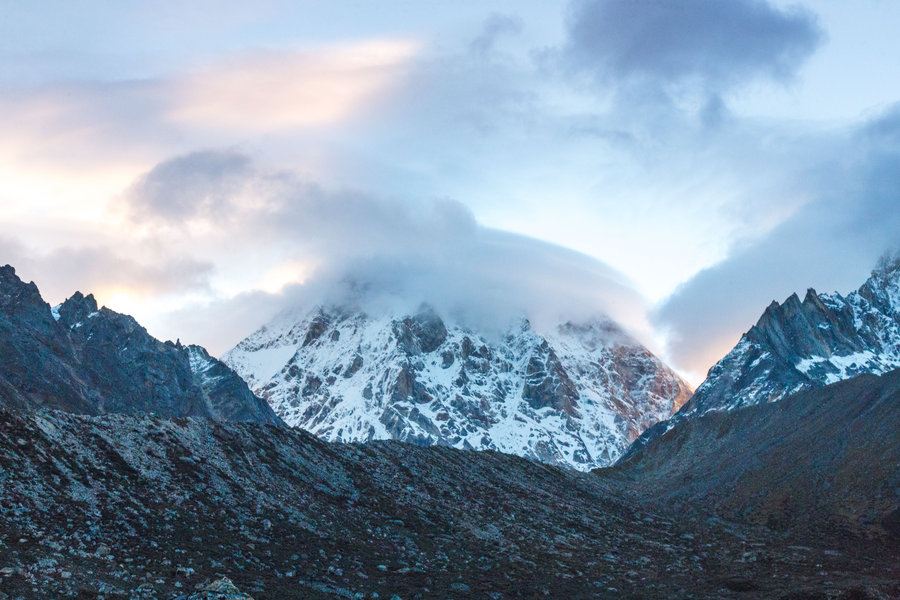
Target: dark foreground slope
[(143, 507), (820, 464), (84, 359)]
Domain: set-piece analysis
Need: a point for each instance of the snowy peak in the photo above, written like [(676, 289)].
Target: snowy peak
[(576, 395), (882, 290), (801, 345)]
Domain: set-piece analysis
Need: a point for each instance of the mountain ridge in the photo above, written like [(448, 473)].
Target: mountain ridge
[(82, 358), (802, 345)]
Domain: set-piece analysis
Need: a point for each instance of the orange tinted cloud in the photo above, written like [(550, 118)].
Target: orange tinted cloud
[(276, 90)]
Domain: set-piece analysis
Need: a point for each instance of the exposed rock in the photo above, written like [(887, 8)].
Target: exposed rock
[(226, 395), (220, 589), (547, 385), (421, 333), (316, 328)]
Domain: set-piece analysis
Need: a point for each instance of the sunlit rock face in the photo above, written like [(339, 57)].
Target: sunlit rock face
[(84, 359), (801, 345), (576, 395)]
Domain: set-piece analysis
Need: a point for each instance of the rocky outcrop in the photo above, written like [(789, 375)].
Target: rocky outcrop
[(421, 333), (225, 394), (81, 358), (547, 385), (575, 395), (220, 589)]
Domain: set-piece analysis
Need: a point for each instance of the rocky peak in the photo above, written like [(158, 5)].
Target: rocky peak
[(77, 309), (80, 359), (802, 345), (882, 289), (20, 298), (316, 328), (422, 332), (888, 267)]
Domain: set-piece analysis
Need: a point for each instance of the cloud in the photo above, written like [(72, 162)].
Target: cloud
[(495, 27), (709, 43), (357, 248), (202, 183), (831, 243), (245, 93), (266, 91), (103, 271)]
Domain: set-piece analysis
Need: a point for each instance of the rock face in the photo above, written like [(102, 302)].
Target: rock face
[(80, 358), (575, 396), (802, 345)]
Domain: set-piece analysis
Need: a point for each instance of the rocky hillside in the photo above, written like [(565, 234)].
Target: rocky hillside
[(80, 358), (823, 460), (802, 345), (575, 396), (143, 507)]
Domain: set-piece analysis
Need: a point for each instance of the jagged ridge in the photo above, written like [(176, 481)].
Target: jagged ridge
[(80, 358), (802, 345)]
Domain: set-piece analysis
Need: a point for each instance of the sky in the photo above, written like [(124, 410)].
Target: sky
[(674, 165)]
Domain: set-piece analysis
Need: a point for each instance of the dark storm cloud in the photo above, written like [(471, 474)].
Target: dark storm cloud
[(714, 43), (829, 244)]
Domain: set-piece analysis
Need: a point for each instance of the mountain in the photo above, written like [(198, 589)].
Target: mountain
[(80, 358), (823, 462), (576, 395), (122, 506), (803, 345)]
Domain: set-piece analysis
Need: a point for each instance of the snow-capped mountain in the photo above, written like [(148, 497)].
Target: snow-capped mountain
[(801, 345), (577, 395)]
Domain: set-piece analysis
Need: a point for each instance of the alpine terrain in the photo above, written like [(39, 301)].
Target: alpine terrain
[(576, 395), (802, 345), (171, 498), (80, 358)]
